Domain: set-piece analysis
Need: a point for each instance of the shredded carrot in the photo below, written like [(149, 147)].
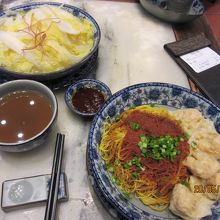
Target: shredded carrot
[(39, 36)]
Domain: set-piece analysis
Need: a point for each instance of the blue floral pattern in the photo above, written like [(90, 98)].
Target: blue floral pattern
[(190, 103), (217, 125), (197, 7), (65, 76), (137, 102), (125, 96), (85, 83), (112, 111), (169, 95), (212, 111), (154, 94), (176, 92)]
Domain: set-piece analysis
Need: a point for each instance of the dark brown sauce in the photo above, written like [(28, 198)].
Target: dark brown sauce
[(88, 100), (23, 114)]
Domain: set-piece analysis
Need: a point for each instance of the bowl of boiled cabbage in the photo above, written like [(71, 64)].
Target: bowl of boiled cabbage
[(44, 41)]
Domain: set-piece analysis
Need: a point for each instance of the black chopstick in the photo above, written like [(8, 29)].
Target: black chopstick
[(50, 212)]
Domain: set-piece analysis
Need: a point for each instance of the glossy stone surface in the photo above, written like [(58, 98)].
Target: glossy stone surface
[(130, 51)]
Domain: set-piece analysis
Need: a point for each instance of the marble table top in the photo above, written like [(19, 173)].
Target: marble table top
[(131, 51)]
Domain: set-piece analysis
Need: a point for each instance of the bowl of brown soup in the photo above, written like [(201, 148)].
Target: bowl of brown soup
[(28, 110), (85, 97)]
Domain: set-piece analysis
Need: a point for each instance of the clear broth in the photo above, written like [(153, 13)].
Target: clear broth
[(23, 114)]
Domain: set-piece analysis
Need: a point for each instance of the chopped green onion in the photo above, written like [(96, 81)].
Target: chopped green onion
[(143, 138), (163, 147), (126, 166), (117, 163), (125, 194), (138, 169), (152, 105), (111, 169), (135, 126), (187, 135), (193, 145), (186, 183), (134, 175), (130, 163), (117, 117), (112, 179), (132, 107)]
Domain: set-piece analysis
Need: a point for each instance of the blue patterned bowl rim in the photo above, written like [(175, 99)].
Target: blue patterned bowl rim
[(71, 9), (196, 8), (85, 82), (96, 164)]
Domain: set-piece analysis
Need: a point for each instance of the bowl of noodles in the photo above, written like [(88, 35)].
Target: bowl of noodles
[(146, 155), (46, 40)]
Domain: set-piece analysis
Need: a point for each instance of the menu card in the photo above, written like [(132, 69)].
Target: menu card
[(201, 63), (201, 60)]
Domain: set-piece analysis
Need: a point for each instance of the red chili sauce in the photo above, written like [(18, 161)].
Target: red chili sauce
[(157, 126), (152, 125), (88, 100)]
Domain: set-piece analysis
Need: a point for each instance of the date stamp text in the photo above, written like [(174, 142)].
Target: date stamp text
[(206, 188)]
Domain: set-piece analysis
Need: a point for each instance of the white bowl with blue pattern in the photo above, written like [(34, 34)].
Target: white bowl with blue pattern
[(85, 83), (161, 10), (168, 95), (70, 69)]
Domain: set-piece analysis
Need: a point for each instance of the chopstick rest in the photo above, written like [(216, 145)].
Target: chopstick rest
[(50, 213), (30, 191)]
